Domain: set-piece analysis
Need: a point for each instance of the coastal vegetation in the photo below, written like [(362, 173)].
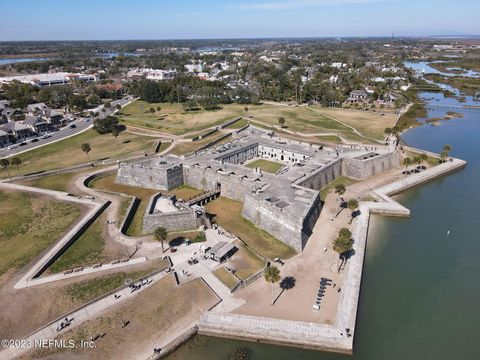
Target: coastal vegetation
[(38, 222)]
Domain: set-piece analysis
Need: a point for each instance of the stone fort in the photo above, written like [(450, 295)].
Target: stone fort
[(285, 204)]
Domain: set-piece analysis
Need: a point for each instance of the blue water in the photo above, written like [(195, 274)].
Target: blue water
[(420, 295), (20, 60)]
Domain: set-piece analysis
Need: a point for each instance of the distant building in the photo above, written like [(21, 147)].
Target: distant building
[(49, 79), (357, 96)]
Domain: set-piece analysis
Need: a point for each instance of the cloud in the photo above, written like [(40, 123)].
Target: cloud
[(292, 4)]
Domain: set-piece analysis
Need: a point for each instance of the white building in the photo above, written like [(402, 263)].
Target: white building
[(48, 79)]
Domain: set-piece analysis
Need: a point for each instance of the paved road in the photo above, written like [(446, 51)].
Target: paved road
[(81, 125)]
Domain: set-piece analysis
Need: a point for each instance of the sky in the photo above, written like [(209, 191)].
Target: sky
[(190, 19)]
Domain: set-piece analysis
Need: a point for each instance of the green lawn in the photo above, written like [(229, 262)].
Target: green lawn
[(29, 224), (173, 119), (58, 182), (88, 249), (107, 182), (228, 214), (226, 277), (265, 165), (68, 153)]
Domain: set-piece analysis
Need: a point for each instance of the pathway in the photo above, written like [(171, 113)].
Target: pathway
[(87, 312)]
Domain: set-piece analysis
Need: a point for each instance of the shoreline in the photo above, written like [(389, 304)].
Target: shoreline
[(334, 338)]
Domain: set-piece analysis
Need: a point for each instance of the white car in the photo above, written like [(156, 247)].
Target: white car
[(45, 136), (11, 147)]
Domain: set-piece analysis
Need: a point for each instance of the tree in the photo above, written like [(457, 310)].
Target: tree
[(272, 275), (388, 131), (407, 162), (353, 206), (445, 152), (118, 106), (340, 189), (245, 109), (4, 163), (17, 162), (343, 244), (159, 108), (160, 234), (281, 121), (152, 110), (86, 149), (105, 125), (423, 157), (115, 133)]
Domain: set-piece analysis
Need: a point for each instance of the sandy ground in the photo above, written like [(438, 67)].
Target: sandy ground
[(310, 266)]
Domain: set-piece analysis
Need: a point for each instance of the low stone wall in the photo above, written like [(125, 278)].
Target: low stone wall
[(274, 331), (177, 221), (362, 169)]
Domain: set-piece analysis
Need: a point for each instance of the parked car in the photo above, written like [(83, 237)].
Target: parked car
[(22, 144), (11, 147), (73, 126), (46, 136), (34, 140)]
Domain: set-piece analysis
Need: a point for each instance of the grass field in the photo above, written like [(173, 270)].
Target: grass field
[(29, 224), (58, 182), (265, 165), (246, 262), (368, 123), (226, 277), (107, 182), (173, 119), (68, 153), (152, 315), (88, 249), (182, 148), (185, 192), (228, 214), (178, 237), (88, 290)]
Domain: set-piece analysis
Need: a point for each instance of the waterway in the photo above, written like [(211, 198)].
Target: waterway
[(420, 296), (20, 60)]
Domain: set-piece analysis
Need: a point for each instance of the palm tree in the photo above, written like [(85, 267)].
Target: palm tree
[(407, 162), (423, 157), (388, 131), (340, 189), (272, 275), (343, 244), (446, 150), (152, 110), (86, 149), (160, 234), (281, 121), (4, 163), (159, 108), (17, 162), (245, 109), (115, 133), (352, 205)]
